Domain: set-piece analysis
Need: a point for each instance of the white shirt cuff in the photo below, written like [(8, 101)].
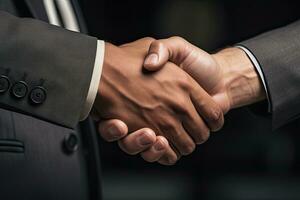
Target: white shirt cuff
[(93, 89), (259, 71)]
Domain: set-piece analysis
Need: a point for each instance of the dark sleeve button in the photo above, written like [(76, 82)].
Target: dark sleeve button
[(71, 143), (4, 84), (38, 95), (19, 89)]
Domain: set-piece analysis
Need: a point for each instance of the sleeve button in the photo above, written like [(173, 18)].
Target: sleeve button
[(71, 143), (19, 89), (38, 95), (4, 84)]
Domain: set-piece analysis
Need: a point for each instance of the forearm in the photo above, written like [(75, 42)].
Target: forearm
[(242, 83)]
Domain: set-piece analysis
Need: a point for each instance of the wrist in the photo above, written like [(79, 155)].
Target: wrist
[(105, 89), (241, 82)]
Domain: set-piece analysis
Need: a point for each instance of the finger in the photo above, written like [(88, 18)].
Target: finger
[(174, 49), (195, 126), (169, 158), (155, 152), (137, 141), (179, 139), (112, 130), (207, 108)]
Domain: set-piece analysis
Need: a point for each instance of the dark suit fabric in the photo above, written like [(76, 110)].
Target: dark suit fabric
[(34, 163), (278, 53), (61, 61)]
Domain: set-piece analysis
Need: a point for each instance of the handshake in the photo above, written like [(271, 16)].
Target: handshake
[(160, 98)]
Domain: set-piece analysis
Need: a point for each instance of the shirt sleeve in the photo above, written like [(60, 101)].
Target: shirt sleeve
[(93, 89), (259, 71)]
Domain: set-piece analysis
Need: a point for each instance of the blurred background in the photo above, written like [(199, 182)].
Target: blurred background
[(244, 161)]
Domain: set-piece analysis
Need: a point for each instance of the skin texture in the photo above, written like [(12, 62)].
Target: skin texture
[(228, 76), (177, 112)]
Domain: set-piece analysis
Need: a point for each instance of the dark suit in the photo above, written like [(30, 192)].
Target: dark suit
[(45, 73), (278, 53)]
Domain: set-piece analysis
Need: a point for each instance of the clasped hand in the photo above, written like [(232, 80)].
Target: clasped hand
[(160, 98)]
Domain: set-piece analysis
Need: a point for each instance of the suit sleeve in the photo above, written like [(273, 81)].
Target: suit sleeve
[(278, 54), (45, 71)]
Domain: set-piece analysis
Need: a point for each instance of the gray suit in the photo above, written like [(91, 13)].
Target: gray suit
[(278, 53), (45, 72)]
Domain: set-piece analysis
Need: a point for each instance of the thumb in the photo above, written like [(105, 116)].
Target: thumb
[(157, 57), (174, 49)]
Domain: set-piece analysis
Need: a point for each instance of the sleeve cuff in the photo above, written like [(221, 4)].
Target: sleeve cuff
[(259, 71), (95, 80)]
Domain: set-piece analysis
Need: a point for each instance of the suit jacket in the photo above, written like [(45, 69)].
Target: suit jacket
[(278, 53), (45, 72)]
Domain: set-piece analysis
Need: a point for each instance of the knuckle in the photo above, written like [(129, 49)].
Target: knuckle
[(149, 39), (176, 135), (202, 103), (185, 81), (181, 105), (158, 45), (168, 125), (178, 38)]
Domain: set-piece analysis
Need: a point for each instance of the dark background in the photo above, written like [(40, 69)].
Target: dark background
[(246, 160)]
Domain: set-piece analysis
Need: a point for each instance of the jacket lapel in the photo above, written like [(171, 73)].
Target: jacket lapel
[(37, 9)]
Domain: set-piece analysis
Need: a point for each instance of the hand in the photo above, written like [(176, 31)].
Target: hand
[(168, 101), (233, 81), (228, 75)]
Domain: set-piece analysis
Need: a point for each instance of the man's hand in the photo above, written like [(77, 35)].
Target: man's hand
[(168, 101), (228, 75)]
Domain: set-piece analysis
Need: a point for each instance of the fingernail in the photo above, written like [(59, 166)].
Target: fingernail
[(114, 132), (151, 59), (144, 140), (159, 146)]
